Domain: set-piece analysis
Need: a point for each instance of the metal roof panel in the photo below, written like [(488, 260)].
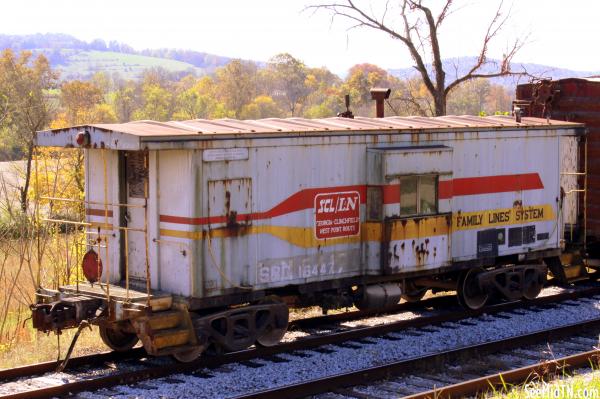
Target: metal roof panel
[(196, 127)]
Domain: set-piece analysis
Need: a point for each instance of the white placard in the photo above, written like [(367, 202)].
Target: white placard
[(225, 154)]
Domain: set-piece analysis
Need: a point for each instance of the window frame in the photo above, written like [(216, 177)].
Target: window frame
[(418, 195)]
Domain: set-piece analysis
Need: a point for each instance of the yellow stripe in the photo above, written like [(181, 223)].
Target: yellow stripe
[(407, 229), (303, 237), (399, 229), (502, 217)]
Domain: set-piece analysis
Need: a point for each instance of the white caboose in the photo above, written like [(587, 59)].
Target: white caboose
[(201, 215)]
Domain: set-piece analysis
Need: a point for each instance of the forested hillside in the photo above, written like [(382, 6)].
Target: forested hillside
[(56, 80), (78, 59)]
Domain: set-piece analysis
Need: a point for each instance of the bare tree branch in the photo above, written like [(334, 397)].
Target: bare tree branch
[(418, 30)]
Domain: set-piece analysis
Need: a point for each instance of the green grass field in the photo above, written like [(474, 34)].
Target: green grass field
[(83, 64)]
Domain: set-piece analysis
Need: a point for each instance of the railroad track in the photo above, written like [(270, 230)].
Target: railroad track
[(127, 372), (438, 302), (575, 345)]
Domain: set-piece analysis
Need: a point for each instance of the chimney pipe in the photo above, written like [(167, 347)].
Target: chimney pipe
[(379, 94), (347, 113)]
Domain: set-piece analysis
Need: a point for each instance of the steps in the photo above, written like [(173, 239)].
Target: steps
[(171, 337), (573, 266), (166, 332)]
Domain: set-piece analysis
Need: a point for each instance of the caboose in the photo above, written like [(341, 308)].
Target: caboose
[(203, 232)]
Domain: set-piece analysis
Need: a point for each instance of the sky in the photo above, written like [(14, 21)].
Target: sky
[(557, 33)]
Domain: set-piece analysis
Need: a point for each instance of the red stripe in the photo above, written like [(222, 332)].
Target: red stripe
[(489, 185), (445, 189), (304, 199), (391, 194)]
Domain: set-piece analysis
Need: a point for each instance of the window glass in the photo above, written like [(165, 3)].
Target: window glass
[(427, 195), (408, 195)]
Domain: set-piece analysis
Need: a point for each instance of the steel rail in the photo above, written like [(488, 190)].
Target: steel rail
[(367, 375), (540, 371), (45, 367), (299, 344)]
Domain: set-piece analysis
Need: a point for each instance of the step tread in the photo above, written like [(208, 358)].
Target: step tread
[(171, 331), (165, 313)]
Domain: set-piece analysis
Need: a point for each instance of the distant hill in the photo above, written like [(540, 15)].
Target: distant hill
[(77, 59), (79, 64), (457, 67)]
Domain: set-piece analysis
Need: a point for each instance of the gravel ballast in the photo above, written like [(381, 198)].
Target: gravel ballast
[(237, 379)]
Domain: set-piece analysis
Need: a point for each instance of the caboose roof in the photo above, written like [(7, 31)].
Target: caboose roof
[(133, 135)]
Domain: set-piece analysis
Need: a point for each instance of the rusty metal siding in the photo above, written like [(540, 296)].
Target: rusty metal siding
[(244, 215), (505, 156), (278, 246)]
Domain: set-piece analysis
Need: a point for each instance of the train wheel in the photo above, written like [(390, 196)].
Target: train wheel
[(189, 355), (272, 325), (117, 339), (470, 295), (533, 282), (412, 293)]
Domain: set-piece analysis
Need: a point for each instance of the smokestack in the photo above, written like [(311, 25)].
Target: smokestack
[(379, 94)]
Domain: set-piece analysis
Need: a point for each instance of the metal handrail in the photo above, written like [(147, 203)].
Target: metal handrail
[(90, 228), (90, 202)]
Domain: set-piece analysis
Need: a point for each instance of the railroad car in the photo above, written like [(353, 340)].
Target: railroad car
[(202, 233), (575, 100)]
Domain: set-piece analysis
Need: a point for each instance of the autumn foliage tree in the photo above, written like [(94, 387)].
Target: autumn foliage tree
[(289, 79), (25, 84)]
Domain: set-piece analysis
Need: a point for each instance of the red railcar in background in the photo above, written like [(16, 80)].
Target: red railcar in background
[(574, 100)]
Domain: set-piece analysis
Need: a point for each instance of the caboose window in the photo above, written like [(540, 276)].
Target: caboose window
[(408, 195), (418, 195), (427, 195)]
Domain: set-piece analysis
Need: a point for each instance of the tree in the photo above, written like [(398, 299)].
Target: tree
[(3, 107), (499, 99), (289, 75), (236, 85), (361, 78), (25, 83), (469, 98), (261, 107), (418, 29), (198, 100), (79, 99), (125, 101), (156, 103)]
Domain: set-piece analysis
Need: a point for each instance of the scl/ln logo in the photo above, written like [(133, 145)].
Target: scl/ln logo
[(337, 214), (343, 204)]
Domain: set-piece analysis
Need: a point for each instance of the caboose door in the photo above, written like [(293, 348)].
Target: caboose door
[(136, 189)]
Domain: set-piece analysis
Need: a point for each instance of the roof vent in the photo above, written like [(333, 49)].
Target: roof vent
[(380, 94), (347, 113)]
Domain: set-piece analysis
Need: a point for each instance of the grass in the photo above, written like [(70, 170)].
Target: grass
[(35, 347), (19, 264), (20, 344), (130, 66), (585, 385)]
